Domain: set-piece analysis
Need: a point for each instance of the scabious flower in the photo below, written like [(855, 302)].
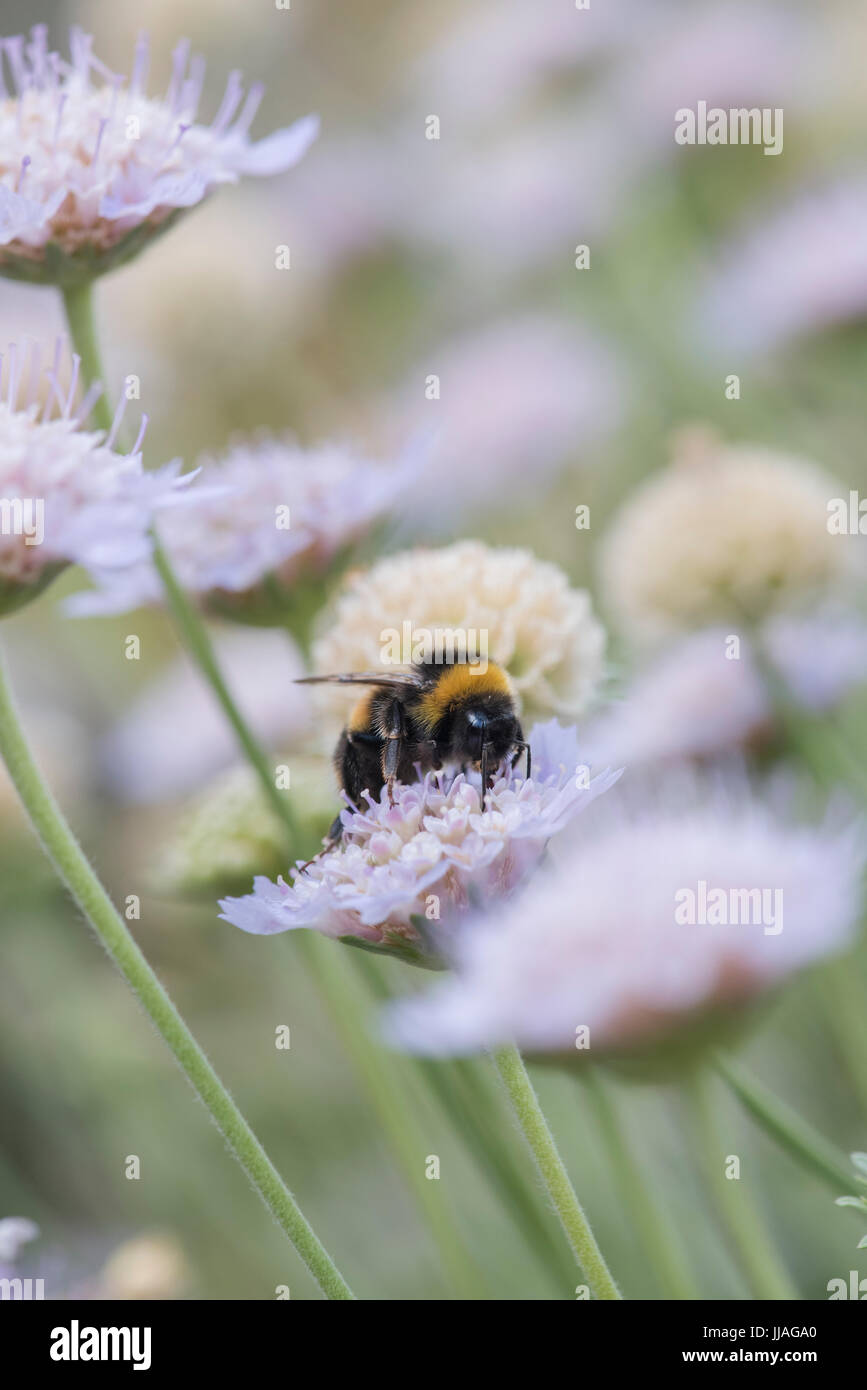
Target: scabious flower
[(274, 515), (504, 40), (702, 697), (660, 920), (67, 496), (403, 872), (799, 270), (541, 631), (92, 168), (535, 387), (724, 533), (688, 702)]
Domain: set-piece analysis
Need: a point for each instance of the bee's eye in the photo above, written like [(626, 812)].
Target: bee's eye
[(477, 719)]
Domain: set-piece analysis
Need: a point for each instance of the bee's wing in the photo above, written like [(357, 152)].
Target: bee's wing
[(396, 680)]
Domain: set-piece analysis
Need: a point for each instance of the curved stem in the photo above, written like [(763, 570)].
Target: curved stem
[(384, 1081), (198, 642), (340, 997), (528, 1111), (737, 1212), (78, 307), (785, 1126), (74, 869), (655, 1232)]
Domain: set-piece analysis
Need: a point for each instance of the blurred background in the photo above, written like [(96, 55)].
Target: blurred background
[(560, 387)]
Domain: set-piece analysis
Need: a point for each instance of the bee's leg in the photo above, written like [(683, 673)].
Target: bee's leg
[(521, 746), (393, 749), (332, 840), (519, 749), (485, 774)]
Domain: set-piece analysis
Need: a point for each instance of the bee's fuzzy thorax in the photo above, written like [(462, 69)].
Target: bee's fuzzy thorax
[(457, 684)]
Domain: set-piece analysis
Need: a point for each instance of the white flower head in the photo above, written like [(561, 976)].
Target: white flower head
[(91, 167), (657, 919), (66, 495), (726, 532), (274, 514), (540, 630), (401, 869)]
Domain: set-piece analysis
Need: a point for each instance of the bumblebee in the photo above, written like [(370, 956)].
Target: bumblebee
[(436, 714)]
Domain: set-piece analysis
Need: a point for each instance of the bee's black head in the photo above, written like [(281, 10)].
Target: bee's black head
[(490, 721)]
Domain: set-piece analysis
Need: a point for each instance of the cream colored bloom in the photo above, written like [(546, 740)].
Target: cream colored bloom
[(148, 1266), (542, 631), (725, 532)]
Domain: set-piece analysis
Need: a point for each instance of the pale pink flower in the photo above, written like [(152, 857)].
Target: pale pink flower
[(610, 942), (798, 270), (90, 166), (435, 845), (273, 514), (536, 388), (71, 497)]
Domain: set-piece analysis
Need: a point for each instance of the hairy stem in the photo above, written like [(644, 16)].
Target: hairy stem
[(384, 1080), (79, 877), (528, 1112)]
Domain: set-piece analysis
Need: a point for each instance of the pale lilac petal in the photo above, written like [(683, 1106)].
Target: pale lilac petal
[(279, 151)]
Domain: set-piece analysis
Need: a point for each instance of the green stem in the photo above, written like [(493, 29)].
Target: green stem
[(198, 642), (78, 304), (78, 307), (75, 871), (529, 1114), (477, 1115), (738, 1214), (785, 1126), (655, 1232), (385, 1084), (467, 1097)]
